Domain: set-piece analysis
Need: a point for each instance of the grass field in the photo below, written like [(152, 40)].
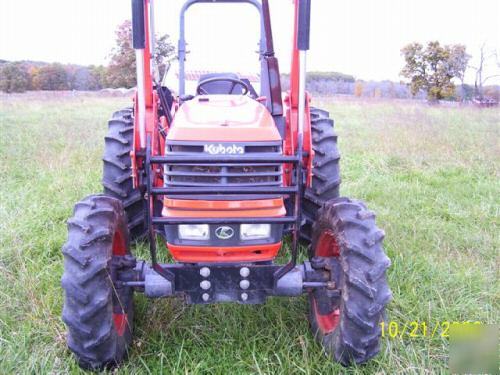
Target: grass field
[(431, 174)]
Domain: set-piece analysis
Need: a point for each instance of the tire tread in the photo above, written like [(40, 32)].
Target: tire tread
[(326, 172), (117, 174), (363, 285), (88, 288)]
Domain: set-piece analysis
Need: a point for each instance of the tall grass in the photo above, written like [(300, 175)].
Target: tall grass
[(431, 174)]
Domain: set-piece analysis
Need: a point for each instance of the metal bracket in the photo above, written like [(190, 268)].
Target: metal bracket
[(149, 217)]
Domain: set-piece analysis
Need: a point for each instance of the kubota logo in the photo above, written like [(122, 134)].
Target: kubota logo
[(224, 233), (216, 149)]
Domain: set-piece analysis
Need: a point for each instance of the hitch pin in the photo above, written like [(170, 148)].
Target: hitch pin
[(319, 284), (132, 283)]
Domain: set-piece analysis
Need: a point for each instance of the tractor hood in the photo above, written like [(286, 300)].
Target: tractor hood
[(220, 118)]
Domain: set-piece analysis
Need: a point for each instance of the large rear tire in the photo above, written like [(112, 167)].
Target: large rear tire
[(346, 238), (117, 173), (97, 311), (326, 171)]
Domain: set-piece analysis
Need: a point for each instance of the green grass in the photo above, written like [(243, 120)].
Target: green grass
[(431, 174)]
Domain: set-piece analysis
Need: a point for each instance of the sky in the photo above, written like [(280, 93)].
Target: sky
[(358, 37)]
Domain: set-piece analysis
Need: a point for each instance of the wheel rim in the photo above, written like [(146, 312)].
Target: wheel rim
[(119, 247), (326, 323), (327, 246)]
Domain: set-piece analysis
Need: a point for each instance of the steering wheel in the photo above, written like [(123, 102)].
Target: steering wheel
[(235, 82)]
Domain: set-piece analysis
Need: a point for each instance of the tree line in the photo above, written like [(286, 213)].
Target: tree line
[(333, 83), (431, 71), (31, 75)]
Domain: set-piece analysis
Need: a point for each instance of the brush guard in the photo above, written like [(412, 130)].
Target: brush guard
[(169, 274), (293, 218)]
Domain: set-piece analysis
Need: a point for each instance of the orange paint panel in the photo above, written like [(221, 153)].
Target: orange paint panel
[(216, 254), (222, 205), (219, 118), (275, 212), (222, 135), (247, 208)]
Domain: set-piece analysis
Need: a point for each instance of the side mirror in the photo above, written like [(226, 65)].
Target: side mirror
[(304, 25), (138, 32)]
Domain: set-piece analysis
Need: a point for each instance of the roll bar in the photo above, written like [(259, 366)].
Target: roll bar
[(182, 38)]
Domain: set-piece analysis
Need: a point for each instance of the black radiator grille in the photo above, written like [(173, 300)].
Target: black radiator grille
[(229, 174)]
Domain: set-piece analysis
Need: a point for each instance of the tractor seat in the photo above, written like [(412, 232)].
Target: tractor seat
[(220, 87)]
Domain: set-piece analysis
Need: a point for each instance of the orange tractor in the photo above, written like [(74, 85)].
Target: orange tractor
[(222, 176)]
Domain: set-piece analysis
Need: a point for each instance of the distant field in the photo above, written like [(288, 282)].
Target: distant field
[(431, 174)]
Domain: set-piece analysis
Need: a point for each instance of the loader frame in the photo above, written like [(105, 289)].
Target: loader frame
[(147, 156)]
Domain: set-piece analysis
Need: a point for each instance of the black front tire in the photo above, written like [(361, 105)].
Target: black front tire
[(117, 172), (97, 312), (348, 327), (326, 171)]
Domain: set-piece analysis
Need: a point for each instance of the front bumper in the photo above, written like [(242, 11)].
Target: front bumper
[(243, 283)]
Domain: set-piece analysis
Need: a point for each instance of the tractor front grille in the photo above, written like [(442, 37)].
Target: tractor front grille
[(228, 174)]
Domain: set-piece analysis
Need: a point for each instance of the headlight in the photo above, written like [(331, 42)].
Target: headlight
[(194, 232), (255, 231)]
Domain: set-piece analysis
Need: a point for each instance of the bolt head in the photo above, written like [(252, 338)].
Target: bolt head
[(244, 284), (205, 284), (205, 271), (331, 285), (244, 296), (318, 262), (244, 271), (205, 297)]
